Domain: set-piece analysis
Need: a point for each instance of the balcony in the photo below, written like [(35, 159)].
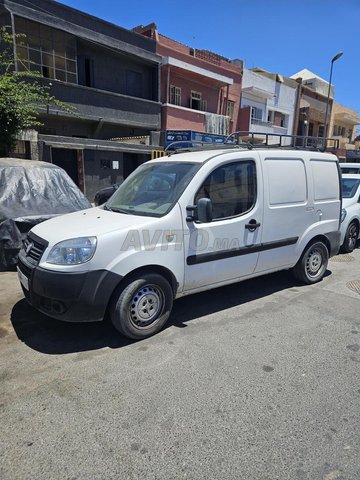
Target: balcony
[(182, 118), (261, 123), (346, 117), (100, 105)]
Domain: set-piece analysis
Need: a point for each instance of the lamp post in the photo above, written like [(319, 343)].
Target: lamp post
[(337, 56)]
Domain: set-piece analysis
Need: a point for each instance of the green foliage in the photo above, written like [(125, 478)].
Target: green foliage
[(21, 96)]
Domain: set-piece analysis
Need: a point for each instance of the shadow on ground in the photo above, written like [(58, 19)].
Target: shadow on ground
[(50, 336)]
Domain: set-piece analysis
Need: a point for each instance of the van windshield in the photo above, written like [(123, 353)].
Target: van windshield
[(153, 188), (349, 187)]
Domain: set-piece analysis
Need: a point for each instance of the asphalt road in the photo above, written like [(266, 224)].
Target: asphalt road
[(255, 381)]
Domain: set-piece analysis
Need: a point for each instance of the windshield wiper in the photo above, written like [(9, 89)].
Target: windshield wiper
[(107, 208), (118, 210)]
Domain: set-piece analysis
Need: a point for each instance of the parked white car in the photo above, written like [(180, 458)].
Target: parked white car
[(181, 225), (350, 168), (350, 215)]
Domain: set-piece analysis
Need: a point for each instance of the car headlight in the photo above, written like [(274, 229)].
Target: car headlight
[(343, 214), (73, 251)]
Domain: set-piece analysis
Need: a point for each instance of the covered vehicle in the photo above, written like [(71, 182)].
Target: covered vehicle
[(31, 192)]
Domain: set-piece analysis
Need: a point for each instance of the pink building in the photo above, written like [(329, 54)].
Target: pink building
[(200, 90)]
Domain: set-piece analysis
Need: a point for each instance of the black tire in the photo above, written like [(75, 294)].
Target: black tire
[(351, 236), (141, 307), (312, 264)]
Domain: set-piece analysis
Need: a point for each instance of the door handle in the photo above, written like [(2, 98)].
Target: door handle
[(252, 225)]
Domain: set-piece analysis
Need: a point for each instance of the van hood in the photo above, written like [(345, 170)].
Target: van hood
[(346, 202), (87, 223)]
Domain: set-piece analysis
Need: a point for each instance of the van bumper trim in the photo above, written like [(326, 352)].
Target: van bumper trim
[(71, 297)]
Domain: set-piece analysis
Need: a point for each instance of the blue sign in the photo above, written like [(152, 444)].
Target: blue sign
[(353, 155), (190, 135)]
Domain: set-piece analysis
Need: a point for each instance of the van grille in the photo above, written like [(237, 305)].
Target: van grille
[(34, 248)]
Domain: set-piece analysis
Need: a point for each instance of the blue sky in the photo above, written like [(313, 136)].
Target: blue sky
[(281, 36)]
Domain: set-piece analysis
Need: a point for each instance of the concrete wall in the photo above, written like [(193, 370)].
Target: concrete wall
[(88, 129), (84, 25), (93, 104), (182, 119)]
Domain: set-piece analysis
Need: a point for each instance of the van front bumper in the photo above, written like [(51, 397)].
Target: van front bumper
[(71, 297)]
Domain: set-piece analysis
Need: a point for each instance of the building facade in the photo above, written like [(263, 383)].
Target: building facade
[(341, 121), (107, 74), (312, 101), (343, 124), (200, 90), (268, 104)]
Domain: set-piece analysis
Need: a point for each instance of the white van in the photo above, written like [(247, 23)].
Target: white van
[(183, 224), (350, 214)]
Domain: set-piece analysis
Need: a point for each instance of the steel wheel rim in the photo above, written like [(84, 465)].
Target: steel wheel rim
[(146, 306), (314, 262)]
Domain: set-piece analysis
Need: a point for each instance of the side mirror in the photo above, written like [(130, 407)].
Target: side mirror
[(204, 210)]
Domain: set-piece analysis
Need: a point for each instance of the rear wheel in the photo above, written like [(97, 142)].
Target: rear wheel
[(313, 263), (142, 306), (351, 236)]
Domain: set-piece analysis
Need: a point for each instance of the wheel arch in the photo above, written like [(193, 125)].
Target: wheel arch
[(159, 269), (318, 238), (354, 220)]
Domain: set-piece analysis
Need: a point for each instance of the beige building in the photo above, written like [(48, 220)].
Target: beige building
[(343, 123)]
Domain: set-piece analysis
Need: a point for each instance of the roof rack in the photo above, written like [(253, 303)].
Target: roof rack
[(182, 146), (277, 140), (252, 140)]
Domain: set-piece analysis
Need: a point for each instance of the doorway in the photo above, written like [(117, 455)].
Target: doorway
[(71, 162)]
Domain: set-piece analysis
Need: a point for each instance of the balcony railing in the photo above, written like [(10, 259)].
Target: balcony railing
[(262, 123), (196, 120), (93, 104)]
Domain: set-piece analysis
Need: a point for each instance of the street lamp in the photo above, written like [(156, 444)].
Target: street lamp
[(337, 56)]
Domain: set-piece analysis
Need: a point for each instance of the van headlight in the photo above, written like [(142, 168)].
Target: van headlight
[(73, 251), (343, 214)]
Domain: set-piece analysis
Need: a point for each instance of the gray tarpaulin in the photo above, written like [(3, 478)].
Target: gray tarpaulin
[(31, 192)]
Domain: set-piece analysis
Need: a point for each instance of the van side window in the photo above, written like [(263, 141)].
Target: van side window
[(231, 189)]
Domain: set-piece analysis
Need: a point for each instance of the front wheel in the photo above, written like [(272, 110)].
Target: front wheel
[(351, 236), (142, 306), (313, 263)]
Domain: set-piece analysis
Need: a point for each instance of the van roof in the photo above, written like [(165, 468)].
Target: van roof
[(202, 156)]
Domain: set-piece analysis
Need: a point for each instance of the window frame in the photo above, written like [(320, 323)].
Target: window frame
[(255, 186), (197, 96), (256, 109), (36, 44), (175, 95), (230, 108)]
